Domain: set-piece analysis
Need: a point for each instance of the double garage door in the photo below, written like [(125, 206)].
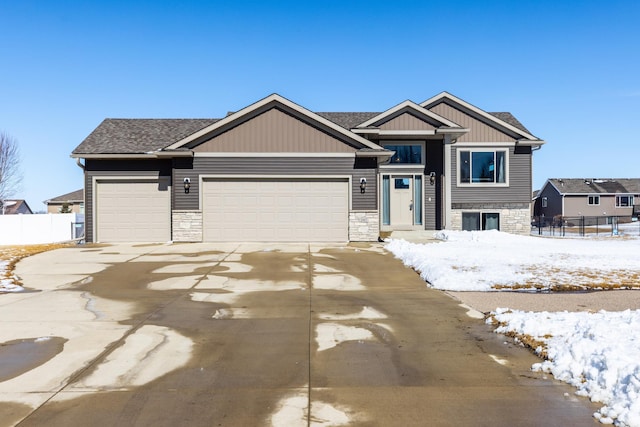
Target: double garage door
[(278, 209), (236, 210)]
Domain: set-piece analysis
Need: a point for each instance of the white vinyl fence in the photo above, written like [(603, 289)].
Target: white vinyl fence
[(40, 228)]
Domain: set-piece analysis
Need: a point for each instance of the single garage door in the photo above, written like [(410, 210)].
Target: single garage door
[(133, 211), (275, 210)]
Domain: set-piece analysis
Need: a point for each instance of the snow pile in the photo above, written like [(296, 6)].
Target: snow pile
[(598, 353), (491, 260), (7, 284)]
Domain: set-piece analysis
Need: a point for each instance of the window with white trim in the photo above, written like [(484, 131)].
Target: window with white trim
[(594, 200), (545, 202), (482, 166), (624, 201)]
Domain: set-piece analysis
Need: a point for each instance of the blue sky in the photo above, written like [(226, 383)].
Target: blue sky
[(568, 70)]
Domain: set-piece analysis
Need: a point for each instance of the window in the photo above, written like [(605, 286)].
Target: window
[(624, 201), (482, 167), (545, 201), (401, 183), (405, 153), (472, 221), (594, 200)]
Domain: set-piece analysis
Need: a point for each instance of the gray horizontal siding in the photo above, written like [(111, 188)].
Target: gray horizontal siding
[(115, 168), (518, 191), (242, 166)]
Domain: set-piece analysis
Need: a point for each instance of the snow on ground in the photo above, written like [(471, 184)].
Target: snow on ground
[(7, 284), (598, 353), (491, 260)]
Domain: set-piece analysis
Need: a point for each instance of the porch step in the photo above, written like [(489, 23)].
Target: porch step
[(414, 236)]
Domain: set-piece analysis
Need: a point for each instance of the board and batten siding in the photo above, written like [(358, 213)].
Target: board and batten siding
[(275, 166), (116, 168), (274, 131), (479, 131), (519, 175)]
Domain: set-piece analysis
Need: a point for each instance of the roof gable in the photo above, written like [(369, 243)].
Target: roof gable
[(484, 126), (274, 131), (271, 102), (417, 114)]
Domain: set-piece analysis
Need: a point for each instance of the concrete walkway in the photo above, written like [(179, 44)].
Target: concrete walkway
[(244, 335)]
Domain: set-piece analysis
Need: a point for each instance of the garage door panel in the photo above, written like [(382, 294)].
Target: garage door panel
[(275, 209), (132, 211)]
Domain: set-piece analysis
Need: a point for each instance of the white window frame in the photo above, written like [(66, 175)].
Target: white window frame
[(595, 197), (423, 152), (482, 150), (545, 202), (629, 201)]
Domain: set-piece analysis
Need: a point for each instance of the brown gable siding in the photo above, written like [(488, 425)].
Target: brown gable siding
[(274, 131), (406, 121), (479, 131)]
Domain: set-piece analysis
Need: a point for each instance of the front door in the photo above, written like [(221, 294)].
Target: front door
[(401, 198)]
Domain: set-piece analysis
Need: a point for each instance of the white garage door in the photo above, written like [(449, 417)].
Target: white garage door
[(133, 211), (275, 210)]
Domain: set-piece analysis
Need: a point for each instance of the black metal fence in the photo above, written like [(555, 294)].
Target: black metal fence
[(564, 226)]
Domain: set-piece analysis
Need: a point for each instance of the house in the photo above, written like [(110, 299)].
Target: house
[(14, 207), (73, 202), (575, 197), (276, 171)]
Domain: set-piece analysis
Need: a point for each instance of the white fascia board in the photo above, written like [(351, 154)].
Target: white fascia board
[(273, 154), (116, 156), (413, 106), (478, 111), (273, 98)]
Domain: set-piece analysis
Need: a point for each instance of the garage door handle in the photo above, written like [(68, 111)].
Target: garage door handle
[(411, 206)]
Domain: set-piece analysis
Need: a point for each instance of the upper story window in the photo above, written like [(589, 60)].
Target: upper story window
[(624, 201), (594, 200), (482, 166), (545, 202), (405, 153)]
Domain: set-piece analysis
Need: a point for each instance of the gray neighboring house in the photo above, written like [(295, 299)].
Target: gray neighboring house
[(275, 171), (74, 202), (573, 197)]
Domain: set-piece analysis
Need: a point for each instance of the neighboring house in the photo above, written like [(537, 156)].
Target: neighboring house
[(14, 207), (74, 202), (572, 197), (275, 171)]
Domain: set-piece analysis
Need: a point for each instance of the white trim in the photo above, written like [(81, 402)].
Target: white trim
[(273, 154), (393, 174), (593, 195), (116, 156), (94, 191), (414, 106), (486, 144), (482, 113), (213, 177), (263, 102), (483, 184)]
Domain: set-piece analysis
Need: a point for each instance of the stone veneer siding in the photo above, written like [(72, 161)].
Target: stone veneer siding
[(514, 217), (364, 226), (187, 226)]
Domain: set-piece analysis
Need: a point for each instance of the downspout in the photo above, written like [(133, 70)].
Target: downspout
[(447, 181), (80, 165)]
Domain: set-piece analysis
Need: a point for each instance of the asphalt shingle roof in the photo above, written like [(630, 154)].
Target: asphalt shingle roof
[(597, 185), (74, 196), (135, 136), (139, 136)]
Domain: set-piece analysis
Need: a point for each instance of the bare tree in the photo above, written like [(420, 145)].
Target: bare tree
[(10, 173)]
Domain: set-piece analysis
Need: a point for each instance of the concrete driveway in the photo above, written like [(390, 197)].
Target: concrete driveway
[(256, 335)]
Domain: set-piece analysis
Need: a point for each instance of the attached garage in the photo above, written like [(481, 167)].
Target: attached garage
[(275, 209), (132, 210)]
